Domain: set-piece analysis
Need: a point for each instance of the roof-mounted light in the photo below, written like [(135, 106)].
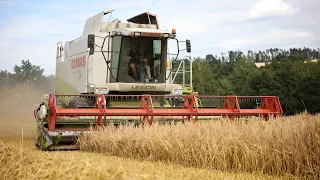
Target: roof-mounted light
[(174, 31), (137, 33), (116, 33)]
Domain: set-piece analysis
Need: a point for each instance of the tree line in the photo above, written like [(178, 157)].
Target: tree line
[(290, 74), (29, 75)]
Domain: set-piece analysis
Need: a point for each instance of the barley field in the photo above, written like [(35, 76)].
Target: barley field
[(20, 160), (285, 148), (288, 145)]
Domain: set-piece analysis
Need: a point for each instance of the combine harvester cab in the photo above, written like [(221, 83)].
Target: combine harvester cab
[(122, 73)]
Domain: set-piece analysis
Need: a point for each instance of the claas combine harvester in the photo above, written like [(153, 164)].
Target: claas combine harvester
[(119, 73)]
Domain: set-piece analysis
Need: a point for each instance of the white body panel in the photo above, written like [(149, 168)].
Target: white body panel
[(80, 72), (72, 69)]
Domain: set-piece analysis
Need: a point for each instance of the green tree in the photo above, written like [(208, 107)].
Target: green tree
[(310, 94), (226, 87), (242, 76), (28, 72), (203, 78)]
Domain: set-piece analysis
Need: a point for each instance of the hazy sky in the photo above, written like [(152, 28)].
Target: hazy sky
[(31, 29)]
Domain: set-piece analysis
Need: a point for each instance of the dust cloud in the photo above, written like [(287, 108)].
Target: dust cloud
[(17, 103)]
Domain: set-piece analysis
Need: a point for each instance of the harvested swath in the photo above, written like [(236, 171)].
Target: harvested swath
[(20, 160), (288, 145), (19, 163)]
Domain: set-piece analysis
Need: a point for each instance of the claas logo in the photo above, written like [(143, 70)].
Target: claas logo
[(78, 62)]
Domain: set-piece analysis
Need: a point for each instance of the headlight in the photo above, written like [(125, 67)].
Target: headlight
[(104, 91), (177, 91)]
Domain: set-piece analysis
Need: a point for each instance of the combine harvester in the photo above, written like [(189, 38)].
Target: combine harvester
[(118, 73)]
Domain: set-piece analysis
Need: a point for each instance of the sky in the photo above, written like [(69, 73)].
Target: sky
[(31, 29)]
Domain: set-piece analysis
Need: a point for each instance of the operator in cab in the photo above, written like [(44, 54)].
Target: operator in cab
[(137, 63)]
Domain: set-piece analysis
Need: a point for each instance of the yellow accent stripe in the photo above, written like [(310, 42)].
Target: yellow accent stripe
[(63, 87)]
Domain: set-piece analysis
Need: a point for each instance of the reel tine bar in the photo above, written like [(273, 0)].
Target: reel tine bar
[(191, 107)]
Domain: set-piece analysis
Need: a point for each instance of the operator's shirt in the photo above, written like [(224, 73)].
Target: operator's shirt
[(135, 56)]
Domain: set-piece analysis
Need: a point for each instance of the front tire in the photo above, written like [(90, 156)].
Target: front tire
[(78, 102)]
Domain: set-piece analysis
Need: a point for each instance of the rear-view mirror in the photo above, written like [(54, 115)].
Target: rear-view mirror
[(188, 45), (91, 43)]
